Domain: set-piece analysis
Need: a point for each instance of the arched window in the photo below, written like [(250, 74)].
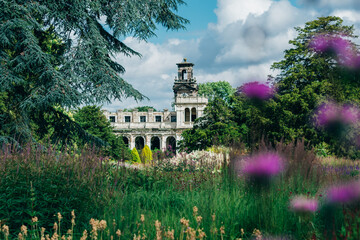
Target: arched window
[(139, 143), (183, 75), (155, 143), (187, 115), (171, 144), (126, 141), (193, 114)]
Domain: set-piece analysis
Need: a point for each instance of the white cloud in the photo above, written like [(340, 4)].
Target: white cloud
[(230, 11)]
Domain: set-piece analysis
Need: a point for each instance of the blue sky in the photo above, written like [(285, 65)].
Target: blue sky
[(227, 40)]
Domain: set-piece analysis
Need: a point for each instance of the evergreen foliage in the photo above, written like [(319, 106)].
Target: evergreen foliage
[(146, 155), (59, 53), (135, 156), (94, 122)]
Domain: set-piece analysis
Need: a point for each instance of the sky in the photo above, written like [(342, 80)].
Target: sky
[(227, 40)]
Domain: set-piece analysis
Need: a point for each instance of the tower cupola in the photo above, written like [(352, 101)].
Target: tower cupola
[(185, 83)]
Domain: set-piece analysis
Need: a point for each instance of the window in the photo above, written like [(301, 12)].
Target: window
[(127, 119), (187, 115), (173, 118), (112, 118), (193, 114), (142, 118), (157, 118)]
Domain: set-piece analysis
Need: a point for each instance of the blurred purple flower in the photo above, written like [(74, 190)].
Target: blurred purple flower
[(330, 113), (263, 165), (303, 204), (257, 90), (350, 114), (319, 43), (345, 193), (338, 45), (327, 113)]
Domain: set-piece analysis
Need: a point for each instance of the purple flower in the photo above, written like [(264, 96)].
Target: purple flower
[(350, 114), (319, 43), (303, 204), (345, 193), (338, 45), (330, 113), (263, 165), (257, 90)]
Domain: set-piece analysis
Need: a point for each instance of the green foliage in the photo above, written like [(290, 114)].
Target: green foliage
[(215, 127), (93, 121), (41, 183), (306, 78), (135, 158), (146, 155), (220, 89), (59, 54)]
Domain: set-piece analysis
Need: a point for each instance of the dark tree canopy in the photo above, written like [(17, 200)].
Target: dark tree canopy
[(59, 53)]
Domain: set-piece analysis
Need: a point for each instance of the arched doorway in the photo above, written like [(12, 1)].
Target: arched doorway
[(183, 75), (155, 143), (171, 144), (126, 141), (187, 115), (193, 114), (139, 143)]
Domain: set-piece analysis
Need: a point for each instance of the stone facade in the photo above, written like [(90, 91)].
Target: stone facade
[(162, 129)]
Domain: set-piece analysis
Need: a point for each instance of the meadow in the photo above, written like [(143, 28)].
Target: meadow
[(51, 194)]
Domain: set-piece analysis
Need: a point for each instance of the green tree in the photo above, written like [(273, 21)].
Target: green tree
[(220, 89), (307, 77), (93, 121), (216, 127), (57, 53), (146, 154), (135, 158), (140, 109)]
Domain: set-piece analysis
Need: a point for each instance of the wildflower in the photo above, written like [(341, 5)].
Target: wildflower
[(198, 219), (222, 230), (263, 165), (169, 234), (256, 90), (20, 236), (55, 227), (303, 204), (195, 211), (184, 222), (102, 225), (34, 219), (213, 217), (118, 233), (59, 216), (345, 193), (73, 217), (5, 229), (142, 218), (257, 234), (23, 230)]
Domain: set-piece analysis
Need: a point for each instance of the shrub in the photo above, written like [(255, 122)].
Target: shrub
[(135, 156), (146, 155)]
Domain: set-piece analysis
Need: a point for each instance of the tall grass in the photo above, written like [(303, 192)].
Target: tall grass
[(42, 182)]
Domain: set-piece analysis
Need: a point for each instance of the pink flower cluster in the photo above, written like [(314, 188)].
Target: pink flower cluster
[(344, 193), (263, 165), (303, 204), (257, 90), (330, 112), (341, 47)]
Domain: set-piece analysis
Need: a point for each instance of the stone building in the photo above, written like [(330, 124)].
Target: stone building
[(162, 129)]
